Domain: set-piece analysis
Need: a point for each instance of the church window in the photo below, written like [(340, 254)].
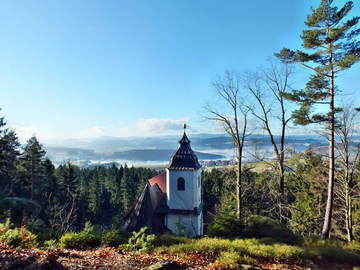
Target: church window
[(181, 183)]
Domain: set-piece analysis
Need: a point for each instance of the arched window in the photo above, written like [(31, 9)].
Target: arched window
[(181, 183)]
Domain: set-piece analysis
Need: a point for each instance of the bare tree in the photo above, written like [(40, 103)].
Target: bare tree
[(268, 88), (349, 157), (63, 216), (232, 115)]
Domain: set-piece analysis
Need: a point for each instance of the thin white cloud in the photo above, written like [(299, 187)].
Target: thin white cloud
[(161, 125), (97, 131)]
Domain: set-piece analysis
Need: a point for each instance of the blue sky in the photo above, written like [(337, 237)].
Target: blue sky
[(86, 68)]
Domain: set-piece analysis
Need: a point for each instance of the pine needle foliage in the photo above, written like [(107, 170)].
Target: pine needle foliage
[(331, 46)]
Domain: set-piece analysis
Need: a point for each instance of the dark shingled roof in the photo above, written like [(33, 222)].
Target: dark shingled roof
[(184, 158), (144, 213)]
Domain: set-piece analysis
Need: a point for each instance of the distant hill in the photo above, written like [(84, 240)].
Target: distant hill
[(157, 155), (160, 148), (199, 142), (61, 154)]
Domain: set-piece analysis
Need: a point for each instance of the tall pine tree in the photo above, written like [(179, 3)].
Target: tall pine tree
[(31, 161), (331, 47), (9, 145)]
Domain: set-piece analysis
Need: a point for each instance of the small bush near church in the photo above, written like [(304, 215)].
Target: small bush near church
[(168, 239), (140, 241), (228, 226), (89, 237), (114, 237), (260, 227)]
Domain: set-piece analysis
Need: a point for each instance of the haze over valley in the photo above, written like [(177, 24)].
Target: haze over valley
[(156, 151)]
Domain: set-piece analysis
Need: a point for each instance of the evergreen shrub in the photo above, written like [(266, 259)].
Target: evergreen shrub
[(224, 225), (261, 227), (233, 260), (51, 244), (17, 237), (168, 239), (353, 246), (203, 245), (249, 248), (140, 241), (333, 251), (114, 237), (89, 237), (228, 260)]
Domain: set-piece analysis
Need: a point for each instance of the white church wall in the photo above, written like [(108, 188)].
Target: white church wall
[(183, 199), (198, 189), (190, 225)]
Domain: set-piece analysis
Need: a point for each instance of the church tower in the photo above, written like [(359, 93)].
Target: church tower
[(184, 191)]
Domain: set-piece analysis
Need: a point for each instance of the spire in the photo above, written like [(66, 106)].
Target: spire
[(184, 158)]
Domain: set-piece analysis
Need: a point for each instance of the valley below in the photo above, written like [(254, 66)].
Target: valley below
[(211, 149)]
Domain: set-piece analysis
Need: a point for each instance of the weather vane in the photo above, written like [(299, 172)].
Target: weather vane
[(185, 127)]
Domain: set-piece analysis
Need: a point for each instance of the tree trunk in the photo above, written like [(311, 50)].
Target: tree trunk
[(348, 215), (282, 195), (330, 194), (281, 162), (238, 185), (282, 149)]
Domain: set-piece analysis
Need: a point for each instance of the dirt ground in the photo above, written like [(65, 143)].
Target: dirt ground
[(111, 259), (101, 258)]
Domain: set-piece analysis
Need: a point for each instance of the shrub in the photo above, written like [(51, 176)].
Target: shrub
[(265, 248), (51, 244), (168, 239), (70, 240), (17, 237), (114, 237), (259, 227), (228, 226), (332, 251), (230, 253), (228, 260), (89, 237), (140, 241), (203, 245), (232, 260), (247, 248), (353, 246)]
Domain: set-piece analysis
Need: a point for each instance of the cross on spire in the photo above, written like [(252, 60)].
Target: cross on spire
[(185, 127)]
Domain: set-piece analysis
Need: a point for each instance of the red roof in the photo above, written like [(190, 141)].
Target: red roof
[(160, 180)]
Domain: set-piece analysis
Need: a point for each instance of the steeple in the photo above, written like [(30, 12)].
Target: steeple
[(184, 158)]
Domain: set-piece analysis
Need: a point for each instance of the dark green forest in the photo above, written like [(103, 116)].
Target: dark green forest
[(51, 201)]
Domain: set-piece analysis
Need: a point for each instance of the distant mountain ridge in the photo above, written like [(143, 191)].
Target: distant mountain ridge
[(208, 147), (198, 142), (61, 154)]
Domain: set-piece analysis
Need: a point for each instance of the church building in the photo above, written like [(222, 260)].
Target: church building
[(172, 200)]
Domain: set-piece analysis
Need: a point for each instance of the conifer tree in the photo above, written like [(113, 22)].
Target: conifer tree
[(9, 145), (31, 160), (331, 47), (95, 199)]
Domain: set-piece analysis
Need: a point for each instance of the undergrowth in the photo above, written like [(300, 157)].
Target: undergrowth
[(17, 237), (230, 253)]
